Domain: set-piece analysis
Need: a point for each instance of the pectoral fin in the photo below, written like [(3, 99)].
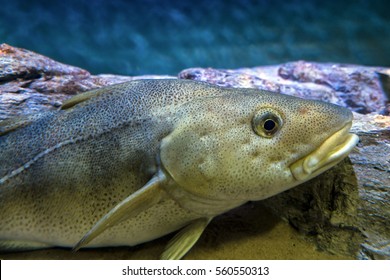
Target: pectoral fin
[(134, 204), (183, 241)]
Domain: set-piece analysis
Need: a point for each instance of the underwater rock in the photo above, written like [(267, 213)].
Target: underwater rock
[(345, 211), (352, 86), (384, 78), (30, 82)]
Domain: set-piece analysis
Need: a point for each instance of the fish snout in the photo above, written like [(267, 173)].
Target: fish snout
[(329, 136), (334, 149)]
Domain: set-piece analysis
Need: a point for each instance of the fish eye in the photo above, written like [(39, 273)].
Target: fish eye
[(266, 123)]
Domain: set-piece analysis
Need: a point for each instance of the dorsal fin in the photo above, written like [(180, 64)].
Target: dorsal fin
[(79, 98)]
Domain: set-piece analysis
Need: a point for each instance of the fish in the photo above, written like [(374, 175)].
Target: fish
[(131, 162)]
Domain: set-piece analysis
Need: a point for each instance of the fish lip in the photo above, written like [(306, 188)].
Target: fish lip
[(334, 149)]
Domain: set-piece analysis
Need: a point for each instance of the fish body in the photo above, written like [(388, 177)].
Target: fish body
[(129, 163)]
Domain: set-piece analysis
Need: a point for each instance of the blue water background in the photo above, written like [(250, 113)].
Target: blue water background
[(164, 37)]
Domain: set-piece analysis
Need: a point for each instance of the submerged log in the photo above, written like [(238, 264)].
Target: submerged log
[(345, 211)]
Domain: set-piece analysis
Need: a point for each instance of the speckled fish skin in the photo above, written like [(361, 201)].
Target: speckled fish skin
[(62, 173)]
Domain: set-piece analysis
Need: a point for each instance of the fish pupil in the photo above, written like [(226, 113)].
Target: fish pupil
[(269, 125)]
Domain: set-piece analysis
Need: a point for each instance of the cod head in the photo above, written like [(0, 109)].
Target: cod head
[(249, 145)]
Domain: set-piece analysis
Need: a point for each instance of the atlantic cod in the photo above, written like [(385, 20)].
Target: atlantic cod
[(128, 163)]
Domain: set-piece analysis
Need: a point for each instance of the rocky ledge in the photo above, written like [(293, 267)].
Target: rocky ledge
[(345, 211)]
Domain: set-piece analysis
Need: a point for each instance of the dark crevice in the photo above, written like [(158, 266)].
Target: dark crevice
[(24, 76)]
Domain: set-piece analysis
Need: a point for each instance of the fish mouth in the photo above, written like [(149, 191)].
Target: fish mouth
[(331, 152)]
